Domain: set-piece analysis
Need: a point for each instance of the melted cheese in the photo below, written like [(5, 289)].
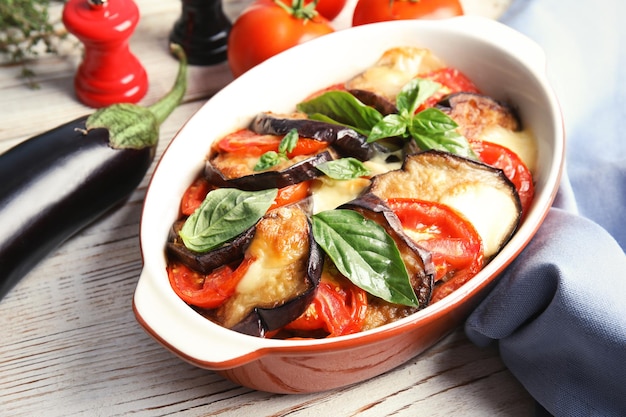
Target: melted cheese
[(329, 193), (280, 249), (395, 68), (522, 143)]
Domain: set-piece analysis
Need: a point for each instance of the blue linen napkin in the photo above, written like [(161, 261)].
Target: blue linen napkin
[(558, 312)]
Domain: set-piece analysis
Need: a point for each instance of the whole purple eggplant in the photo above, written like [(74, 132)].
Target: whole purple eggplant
[(54, 184)]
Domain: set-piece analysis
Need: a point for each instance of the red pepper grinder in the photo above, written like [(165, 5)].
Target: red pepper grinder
[(109, 72)]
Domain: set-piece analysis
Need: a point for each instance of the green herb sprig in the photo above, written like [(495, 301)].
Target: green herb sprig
[(224, 214), (273, 158), (430, 128), (365, 253), (26, 31)]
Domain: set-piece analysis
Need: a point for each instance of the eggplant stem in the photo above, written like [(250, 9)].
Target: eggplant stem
[(137, 127), (166, 105)]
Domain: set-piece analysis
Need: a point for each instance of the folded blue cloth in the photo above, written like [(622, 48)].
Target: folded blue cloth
[(558, 312)]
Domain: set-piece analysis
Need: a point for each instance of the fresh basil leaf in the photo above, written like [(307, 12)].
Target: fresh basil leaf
[(344, 169), (224, 214), (323, 118), (343, 108), (433, 129), (273, 158), (451, 142), (288, 142), (390, 126), (364, 252), (414, 93), (433, 121), (268, 160)]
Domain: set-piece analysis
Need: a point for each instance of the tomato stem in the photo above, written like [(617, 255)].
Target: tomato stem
[(299, 9)]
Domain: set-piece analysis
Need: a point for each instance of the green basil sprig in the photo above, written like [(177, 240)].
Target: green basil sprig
[(341, 107), (224, 214), (364, 252), (431, 128), (273, 158), (344, 168)]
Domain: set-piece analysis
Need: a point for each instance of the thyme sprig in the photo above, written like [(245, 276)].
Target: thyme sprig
[(27, 31)]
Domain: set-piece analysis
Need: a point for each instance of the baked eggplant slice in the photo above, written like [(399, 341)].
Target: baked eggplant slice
[(207, 261), (417, 260), (302, 170), (475, 112), (346, 141), (380, 103), (280, 283), (482, 194)]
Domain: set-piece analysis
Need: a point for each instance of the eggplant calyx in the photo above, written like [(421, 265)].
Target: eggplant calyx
[(134, 127)]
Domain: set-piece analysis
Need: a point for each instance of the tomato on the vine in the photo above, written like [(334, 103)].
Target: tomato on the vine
[(330, 9), (268, 27), (370, 11)]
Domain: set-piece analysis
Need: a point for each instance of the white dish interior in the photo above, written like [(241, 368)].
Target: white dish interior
[(502, 62)]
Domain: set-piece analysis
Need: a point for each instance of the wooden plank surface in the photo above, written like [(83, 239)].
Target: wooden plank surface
[(70, 345)]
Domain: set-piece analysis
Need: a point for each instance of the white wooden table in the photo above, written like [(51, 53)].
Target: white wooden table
[(69, 342)]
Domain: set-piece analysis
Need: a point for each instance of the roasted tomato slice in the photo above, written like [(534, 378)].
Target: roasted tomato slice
[(513, 167), (194, 196), (246, 142), (455, 245), (198, 190), (206, 291), (291, 194), (452, 81), (339, 308)]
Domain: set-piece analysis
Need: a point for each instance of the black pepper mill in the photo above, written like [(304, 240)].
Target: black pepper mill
[(202, 31)]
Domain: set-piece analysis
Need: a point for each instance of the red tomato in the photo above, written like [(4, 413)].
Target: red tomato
[(455, 245), (206, 291), (452, 81), (330, 9), (194, 196), (246, 142), (513, 167), (370, 11), (291, 194), (336, 309), (264, 29)]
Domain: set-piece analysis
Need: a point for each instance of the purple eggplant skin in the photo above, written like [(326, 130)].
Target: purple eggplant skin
[(347, 142), (56, 183), (380, 103), (302, 171), (207, 261), (474, 112), (263, 320)]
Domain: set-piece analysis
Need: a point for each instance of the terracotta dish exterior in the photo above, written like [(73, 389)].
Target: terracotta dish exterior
[(502, 62)]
